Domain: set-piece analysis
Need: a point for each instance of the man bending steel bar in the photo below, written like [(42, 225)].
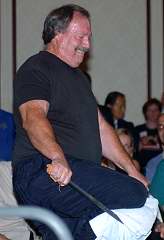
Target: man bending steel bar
[(58, 123)]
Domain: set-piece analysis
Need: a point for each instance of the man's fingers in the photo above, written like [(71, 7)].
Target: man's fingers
[(62, 181), (59, 174), (49, 168), (65, 179)]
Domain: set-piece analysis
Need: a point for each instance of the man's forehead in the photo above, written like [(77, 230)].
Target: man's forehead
[(77, 15), (79, 21)]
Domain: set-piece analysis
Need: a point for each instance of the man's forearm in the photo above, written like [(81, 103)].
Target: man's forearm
[(113, 150), (42, 137), (39, 129), (112, 147)]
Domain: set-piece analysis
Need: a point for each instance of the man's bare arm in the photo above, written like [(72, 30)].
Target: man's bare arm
[(40, 132), (113, 150)]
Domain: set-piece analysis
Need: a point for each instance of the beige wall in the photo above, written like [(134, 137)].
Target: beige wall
[(157, 48), (6, 55), (118, 56)]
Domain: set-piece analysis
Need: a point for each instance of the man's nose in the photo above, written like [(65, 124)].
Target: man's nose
[(86, 42)]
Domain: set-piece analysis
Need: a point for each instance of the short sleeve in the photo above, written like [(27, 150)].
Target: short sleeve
[(31, 84)]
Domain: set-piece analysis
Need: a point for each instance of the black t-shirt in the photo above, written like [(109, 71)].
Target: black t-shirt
[(152, 148), (72, 106), (143, 131)]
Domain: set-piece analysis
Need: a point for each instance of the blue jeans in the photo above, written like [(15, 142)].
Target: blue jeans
[(33, 186)]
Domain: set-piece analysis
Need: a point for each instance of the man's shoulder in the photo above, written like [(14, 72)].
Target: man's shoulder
[(43, 62)]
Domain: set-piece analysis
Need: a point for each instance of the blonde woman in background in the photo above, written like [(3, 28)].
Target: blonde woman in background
[(127, 141)]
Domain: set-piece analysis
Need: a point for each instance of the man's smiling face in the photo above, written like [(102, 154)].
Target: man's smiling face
[(75, 41)]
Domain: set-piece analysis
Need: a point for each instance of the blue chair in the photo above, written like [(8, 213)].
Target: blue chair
[(7, 135)]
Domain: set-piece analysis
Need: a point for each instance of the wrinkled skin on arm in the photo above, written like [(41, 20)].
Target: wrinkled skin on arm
[(40, 132), (113, 150)]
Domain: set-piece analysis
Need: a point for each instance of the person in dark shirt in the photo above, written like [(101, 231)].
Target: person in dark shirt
[(61, 134), (146, 135), (115, 104)]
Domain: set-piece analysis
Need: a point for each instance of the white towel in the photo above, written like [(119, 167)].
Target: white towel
[(137, 223)]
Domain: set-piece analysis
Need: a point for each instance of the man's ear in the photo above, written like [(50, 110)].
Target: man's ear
[(59, 35), (56, 41), (57, 38)]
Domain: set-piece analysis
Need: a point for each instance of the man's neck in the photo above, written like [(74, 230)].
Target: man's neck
[(151, 125)]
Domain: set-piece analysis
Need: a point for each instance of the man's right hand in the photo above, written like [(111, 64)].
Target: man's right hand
[(59, 171)]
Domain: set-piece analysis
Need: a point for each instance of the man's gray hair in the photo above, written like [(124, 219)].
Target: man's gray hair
[(59, 19)]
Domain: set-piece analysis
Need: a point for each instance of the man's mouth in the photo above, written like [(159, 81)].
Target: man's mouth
[(82, 49)]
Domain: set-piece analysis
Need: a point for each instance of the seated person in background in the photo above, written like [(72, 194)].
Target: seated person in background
[(160, 228), (14, 228), (157, 175), (157, 183), (127, 141), (162, 102), (115, 102), (158, 232), (146, 135), (153, 163), (7, 135)]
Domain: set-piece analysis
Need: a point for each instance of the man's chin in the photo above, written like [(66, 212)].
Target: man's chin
[(77, 63)]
